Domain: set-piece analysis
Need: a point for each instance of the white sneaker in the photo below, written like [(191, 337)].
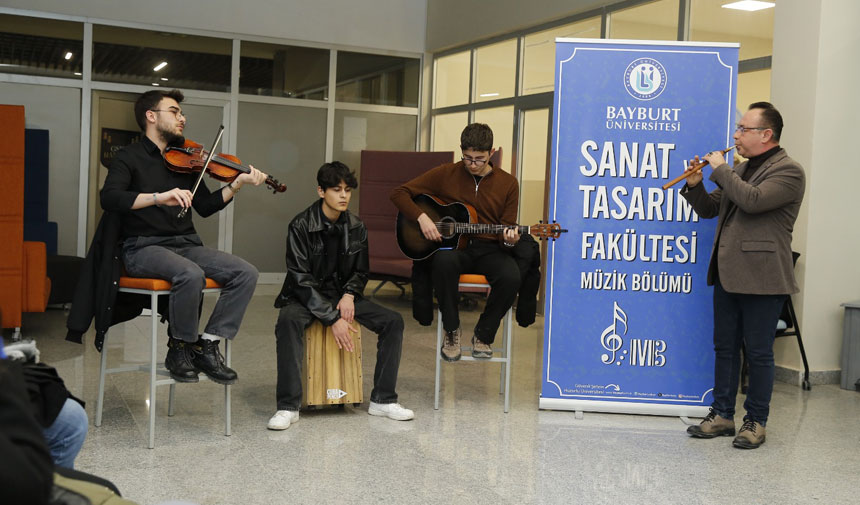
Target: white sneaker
[(282, 419), (390, 410)]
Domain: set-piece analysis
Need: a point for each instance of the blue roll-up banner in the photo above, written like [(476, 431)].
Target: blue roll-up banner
[(628, 316)]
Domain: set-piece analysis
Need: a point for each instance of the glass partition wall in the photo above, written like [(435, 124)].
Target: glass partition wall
[(507, 81), (286, 109)]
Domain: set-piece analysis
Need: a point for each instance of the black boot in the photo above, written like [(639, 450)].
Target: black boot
[(178, 361), (207, 359)]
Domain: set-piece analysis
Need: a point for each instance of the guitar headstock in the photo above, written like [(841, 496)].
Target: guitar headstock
[(547, 230)]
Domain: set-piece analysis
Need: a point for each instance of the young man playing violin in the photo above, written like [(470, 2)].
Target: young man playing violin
[(327, 265), (494, 194), (157, 243)]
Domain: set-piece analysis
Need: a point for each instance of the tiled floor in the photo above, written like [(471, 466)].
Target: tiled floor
[(468, 451)]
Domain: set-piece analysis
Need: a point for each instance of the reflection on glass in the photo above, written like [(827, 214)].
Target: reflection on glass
[(533, 168), (652, 21), (539, 53), (286, 71), (496, 71), (452, 79), (355, 131), (37, 46), (131, 56), (377, 79), (754, 30), (501, 121), (446, 131), (288, 143)]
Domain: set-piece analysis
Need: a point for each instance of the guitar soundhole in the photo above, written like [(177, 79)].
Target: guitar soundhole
[(446, 227)]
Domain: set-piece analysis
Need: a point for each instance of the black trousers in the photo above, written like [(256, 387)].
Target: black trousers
[(289, 332), (480, 257)]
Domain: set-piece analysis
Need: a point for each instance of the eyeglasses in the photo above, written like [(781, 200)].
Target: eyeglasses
[(744, 129), (176, 112), (473, 161)]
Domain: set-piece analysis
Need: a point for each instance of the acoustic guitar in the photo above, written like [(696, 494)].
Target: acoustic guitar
[(454, 221)]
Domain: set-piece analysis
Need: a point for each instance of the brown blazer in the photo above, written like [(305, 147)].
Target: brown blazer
[(756, 219)]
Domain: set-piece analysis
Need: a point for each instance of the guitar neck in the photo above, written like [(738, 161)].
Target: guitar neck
[(479, 228)]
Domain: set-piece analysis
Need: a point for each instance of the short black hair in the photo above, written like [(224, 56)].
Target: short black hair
[(330, 174), (477, 136), (151, 99), (772, 118)]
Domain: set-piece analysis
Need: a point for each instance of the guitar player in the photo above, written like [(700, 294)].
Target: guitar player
[(494, 194)]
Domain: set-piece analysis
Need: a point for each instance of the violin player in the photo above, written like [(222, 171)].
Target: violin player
[(158, 243)]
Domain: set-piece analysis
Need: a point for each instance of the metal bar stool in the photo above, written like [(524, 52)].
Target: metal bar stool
[(155, 288), (468, 281)]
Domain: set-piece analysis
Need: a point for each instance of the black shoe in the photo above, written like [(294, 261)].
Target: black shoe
[(207, 359), (178, 361)]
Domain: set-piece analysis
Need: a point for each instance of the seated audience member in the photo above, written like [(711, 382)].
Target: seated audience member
[(62, 416)]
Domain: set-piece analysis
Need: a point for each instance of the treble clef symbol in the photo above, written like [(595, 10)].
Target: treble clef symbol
[(610, 339)]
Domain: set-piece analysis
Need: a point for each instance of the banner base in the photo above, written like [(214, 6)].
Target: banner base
[(624, 407)]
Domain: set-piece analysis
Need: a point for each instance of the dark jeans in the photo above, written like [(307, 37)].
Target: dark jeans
[(185, 262), (480, 257), (751, 320), (289, 333)]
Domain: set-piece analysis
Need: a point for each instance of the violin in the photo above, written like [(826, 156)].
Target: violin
[(191, 159)]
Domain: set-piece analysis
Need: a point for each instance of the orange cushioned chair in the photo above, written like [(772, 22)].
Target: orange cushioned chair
[(473, 282), (23, 265), (155, 288)]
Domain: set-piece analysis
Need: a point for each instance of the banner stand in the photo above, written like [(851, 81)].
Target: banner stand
[(628, 316)]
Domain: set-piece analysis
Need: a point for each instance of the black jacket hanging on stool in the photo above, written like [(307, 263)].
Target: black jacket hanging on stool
[(527, 255), (97, 292)]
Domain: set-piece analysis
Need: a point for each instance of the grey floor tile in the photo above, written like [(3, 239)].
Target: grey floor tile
[(469, 451)]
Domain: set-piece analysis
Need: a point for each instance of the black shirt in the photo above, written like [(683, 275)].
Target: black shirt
[(332, 233), (755, 162), (139, 168)]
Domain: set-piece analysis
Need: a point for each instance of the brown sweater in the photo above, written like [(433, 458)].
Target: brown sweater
[(495, 199)]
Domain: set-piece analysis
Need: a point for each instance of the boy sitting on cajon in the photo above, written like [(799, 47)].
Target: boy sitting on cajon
[(327, 266)]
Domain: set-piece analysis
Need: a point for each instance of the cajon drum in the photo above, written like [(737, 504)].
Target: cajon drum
[(331, 376)]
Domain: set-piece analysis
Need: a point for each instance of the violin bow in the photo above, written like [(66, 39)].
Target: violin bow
[(205, 166)]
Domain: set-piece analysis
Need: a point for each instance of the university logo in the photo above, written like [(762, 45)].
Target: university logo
[(645, 79)]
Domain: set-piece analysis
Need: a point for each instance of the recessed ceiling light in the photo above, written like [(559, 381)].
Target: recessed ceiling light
[(160, 66), (69, 55), (164, 78), (749, 5), (486, 95), (156, 84), (78, 73)]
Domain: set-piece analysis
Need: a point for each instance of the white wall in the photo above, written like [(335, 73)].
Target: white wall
[(380, 24), (815, 70), (455, 22)]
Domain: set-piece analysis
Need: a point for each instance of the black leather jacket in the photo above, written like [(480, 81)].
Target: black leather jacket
[(306, 261)]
